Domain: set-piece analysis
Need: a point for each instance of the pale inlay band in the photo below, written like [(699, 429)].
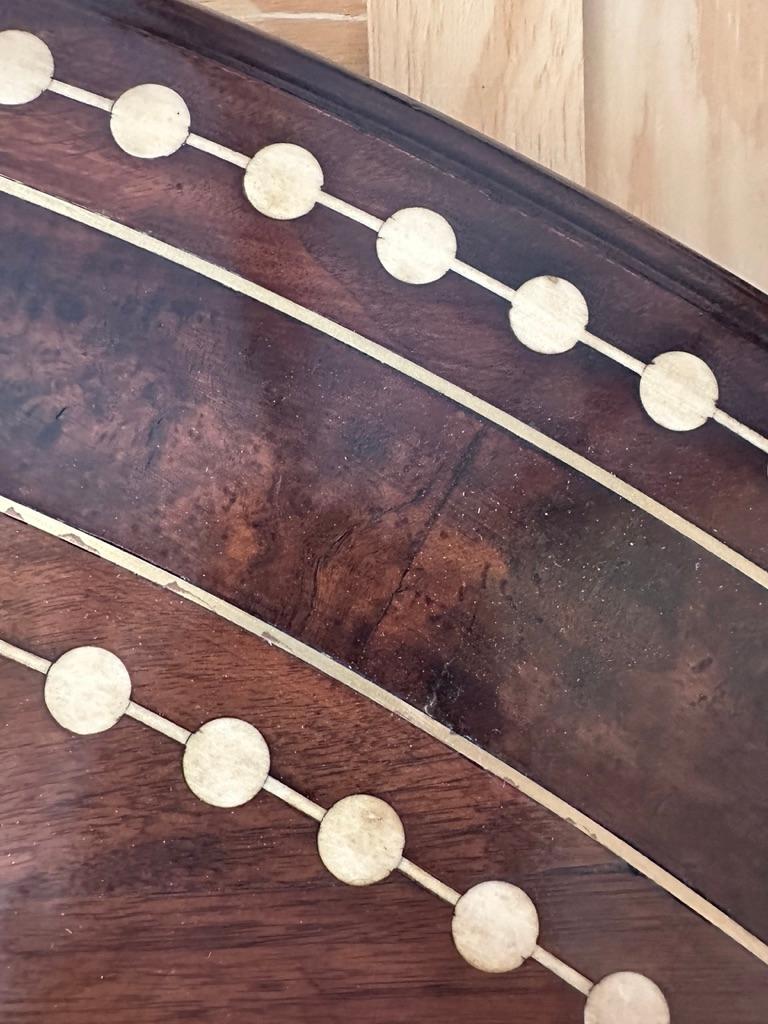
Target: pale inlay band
[(285, 181), (374, 223), (394, 361), (360, 839), (378, 695)]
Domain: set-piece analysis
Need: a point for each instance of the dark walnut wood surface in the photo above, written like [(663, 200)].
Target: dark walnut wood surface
[(125, 898), (565, 631)]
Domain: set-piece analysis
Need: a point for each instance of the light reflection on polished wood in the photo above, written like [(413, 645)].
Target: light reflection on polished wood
[(381, 697), (452, 572), (661, 111)]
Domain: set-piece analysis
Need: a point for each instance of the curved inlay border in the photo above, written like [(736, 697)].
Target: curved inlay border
[(341, 673), (284, 181), (407, 367), (88, 690), (536, 305)]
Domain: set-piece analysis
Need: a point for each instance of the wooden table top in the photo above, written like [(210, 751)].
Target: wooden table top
[(322, 414)]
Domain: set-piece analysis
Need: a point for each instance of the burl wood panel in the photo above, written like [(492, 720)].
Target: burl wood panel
[(125, 898), (585, 643)]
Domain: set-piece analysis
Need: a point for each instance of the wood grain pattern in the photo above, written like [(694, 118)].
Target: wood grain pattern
[(658, 108), (388, 700), (473, 576), (334, 29), (316, 546), (677, 121), (513, 71), (125, 897), (315, 481), (664, 386), (310, 10)]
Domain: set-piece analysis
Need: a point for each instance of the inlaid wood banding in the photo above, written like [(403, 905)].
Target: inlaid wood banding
[(458, 633), (284, 181), (167, 679)]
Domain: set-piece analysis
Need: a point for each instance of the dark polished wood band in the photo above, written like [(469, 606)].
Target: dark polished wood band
[(128, 898), (524, 606)]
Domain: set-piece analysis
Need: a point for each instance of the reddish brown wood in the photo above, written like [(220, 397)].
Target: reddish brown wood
[(452, 327), (125, 898), (373, 531), (566, 632)]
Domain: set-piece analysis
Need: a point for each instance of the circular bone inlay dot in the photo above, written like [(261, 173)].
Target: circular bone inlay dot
[(87, 690), (226, 762), (283, 181), (628, 998), (548, 314), (26, 67), (495, 926), (679, 391), (416, 245), (361, 840), (150, 121)]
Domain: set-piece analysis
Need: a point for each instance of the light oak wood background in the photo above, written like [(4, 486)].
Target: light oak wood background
[(660, 106)]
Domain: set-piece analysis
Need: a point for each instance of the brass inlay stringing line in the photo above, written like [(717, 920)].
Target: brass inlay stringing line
[(378, 695), (305, 806), (463, 269), (381, 354)]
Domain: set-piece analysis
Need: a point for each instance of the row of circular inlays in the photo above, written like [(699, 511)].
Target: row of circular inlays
[(415, 245), (360, 839)]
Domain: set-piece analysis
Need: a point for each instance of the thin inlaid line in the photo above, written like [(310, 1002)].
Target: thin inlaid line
[(378, 695), (136, 711), (306, 806), (458, 266), (351, 212), (612, 352), (476, 276), (231, 156), (154, 721), (24, 657), (466, 270), (294, 799), (73, 92), (428, 881), (563, 971), (402, 365), (747, 433)]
